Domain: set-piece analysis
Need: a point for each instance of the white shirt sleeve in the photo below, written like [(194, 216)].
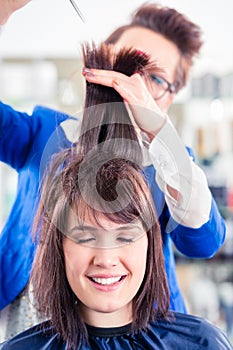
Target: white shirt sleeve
[(176, 169), (1, 29)]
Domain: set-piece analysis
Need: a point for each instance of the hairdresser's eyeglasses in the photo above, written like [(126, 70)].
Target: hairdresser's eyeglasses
[(75, 6), (161, 86)]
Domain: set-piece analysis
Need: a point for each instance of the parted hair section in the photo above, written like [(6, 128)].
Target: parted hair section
[(95, 183), (106, 120)]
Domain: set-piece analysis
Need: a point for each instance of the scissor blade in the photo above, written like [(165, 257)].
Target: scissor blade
[(77, 10)]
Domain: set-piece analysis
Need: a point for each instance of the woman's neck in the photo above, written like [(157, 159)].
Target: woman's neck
[(116, 318)]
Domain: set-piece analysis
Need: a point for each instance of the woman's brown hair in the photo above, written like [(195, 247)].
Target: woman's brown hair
[(71, 179)]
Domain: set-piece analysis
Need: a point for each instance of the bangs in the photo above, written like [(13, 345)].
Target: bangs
[(115, 194)]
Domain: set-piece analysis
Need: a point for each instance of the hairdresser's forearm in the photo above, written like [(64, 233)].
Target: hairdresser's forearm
[(184, 184)]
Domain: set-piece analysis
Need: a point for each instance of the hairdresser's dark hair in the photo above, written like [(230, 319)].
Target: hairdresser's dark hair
[(74, 179), (174, 26)]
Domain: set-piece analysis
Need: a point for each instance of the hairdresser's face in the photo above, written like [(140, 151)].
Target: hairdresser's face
[(105, 280), (161, 50)]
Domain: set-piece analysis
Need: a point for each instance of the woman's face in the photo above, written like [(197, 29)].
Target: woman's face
[(105, 280)]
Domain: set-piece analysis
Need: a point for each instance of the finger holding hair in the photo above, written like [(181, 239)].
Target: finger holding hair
[(135, 93)]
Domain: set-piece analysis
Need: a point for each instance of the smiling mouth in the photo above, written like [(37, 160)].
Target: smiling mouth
[(107, 281)]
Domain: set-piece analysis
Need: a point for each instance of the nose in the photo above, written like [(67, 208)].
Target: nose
[(106, 258)]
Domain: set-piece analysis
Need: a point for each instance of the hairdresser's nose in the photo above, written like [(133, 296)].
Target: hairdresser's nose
[(106, 258)]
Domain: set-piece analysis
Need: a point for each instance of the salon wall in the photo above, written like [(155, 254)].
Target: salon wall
[(48, 28), (40, 47)]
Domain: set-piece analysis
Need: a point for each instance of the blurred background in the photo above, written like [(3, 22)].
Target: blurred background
[(40, 64)]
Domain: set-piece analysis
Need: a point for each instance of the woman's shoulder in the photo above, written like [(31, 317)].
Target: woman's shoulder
[(184, 331), (38, 337)]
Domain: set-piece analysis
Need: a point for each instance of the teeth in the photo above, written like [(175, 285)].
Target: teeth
[(106, 281)]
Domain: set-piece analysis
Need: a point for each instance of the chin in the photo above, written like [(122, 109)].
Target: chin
[(107, 307)]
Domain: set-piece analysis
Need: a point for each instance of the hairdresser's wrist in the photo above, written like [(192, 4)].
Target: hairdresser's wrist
[(154, 123), (152, 118)]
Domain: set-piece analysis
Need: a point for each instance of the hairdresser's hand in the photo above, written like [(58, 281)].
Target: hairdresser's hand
[(7, 7), (134, 92)]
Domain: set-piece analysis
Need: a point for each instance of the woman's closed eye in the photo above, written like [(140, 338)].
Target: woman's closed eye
[(83, 238), (125, 239), (129, 236)]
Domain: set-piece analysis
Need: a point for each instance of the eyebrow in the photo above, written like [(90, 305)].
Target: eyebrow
[(129, 227)]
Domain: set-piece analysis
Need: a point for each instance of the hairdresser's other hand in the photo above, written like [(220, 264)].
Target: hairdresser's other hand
[(7, 7), (136, 95)]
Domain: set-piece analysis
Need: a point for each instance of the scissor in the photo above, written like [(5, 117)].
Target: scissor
[(77, 10)]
